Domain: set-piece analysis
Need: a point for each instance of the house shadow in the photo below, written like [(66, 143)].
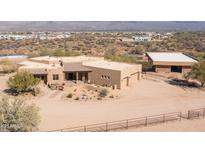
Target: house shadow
[(183, 84)]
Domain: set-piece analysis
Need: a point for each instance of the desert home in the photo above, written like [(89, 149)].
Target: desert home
[(170, 62), (94, 70)]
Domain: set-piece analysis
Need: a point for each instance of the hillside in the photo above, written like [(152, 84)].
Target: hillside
[(103, 44)]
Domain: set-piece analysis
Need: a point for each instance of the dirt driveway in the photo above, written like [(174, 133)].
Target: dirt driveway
[(149, 96), (146, 97)]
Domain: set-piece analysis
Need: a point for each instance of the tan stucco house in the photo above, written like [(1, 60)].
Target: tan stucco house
[(94, 70), (170, 62)]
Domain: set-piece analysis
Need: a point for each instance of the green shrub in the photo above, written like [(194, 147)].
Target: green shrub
[(16, 116), (197, 73), (23, 81), (103, 92), (62, 53), (121, 58)]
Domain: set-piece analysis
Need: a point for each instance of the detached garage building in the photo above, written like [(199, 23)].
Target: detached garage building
[(170, 62)]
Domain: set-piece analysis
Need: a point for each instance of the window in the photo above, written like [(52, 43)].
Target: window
[(55, 77), (105, 77)]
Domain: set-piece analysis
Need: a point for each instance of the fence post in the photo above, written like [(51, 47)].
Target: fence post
[(106, 127), (127, 124), (180, 114), (163, 117), (204, 113), (85, 129), (146, 121), (188, 114)]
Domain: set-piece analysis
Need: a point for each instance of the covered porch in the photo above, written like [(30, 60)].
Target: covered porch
[(77, 76), (76, 72), (40, 73)]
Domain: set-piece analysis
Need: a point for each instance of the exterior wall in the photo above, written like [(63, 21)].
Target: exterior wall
[(53, 71), (95, 77), (167, 69), (118, 79), (186, 69), (160, 68)]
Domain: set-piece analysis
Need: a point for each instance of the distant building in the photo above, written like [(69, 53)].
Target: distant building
[(35, 35), (125, 39), (142, 38), (170, 62)]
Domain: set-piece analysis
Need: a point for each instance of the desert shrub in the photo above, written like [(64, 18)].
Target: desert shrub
[(35, 91), (103, 92), (139, 49), (70, 95), (111, 96), (121, 58), (23, 81), (146, 66), (17, 116), (197, 73), (77, 98), (62, 53), (7, 66)]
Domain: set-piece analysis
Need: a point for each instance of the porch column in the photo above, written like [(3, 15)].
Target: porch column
[(76, 77), (139, 75), (83, 77)]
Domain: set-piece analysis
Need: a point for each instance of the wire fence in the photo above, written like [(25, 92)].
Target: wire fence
[(124, 124), (136, 122), (196, 113)]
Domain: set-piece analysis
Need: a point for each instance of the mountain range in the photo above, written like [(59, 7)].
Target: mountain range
[(79, 26)]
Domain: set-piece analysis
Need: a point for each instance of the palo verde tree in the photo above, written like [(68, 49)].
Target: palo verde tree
[(197, 73), (23, 81), (16, 116)]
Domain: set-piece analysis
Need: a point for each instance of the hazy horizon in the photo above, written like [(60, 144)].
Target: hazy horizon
[(80, 26)]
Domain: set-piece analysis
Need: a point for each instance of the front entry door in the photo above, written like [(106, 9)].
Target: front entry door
[(71, 76)]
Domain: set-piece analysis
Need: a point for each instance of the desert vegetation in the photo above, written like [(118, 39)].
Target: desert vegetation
[(23, 81), (7, 66), (197, 73), (121, 58), (103, 92), (16, 116), (109, 45)]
